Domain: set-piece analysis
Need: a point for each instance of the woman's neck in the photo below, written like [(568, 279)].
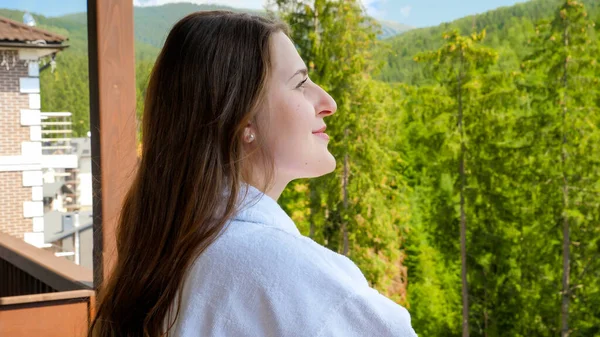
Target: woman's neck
[(274, 191)]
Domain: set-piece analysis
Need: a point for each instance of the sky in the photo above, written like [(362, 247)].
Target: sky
[(416, 13)]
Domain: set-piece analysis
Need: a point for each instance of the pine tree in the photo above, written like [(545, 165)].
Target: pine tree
[(458, 66), (562, 79)]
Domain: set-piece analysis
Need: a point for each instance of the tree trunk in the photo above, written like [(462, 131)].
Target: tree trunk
[(485, 306), (566, 235), (463, 219), (345, 189)]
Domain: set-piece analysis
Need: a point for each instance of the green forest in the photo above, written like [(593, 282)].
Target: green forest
[(467, 185)]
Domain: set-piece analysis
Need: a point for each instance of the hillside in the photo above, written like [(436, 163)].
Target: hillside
[(153, 23), (507, 28), (391, 29), (75, 28)]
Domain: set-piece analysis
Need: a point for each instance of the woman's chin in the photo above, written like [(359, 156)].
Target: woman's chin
[(319, 168), (327, 165)]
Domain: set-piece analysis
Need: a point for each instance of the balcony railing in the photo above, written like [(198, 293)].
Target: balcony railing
[(41, 294), (57, 151), (60, 314), (56, 133)]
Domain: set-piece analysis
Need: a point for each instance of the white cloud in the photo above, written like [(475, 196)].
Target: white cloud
[(405, 11), (250, 4), (144, 2), (372, 6)]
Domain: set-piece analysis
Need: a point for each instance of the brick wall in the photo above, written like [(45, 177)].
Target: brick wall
[(11, 103), (12, 192), (11, 204)]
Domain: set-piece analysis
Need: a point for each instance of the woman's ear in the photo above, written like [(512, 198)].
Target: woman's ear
[(249, 133)]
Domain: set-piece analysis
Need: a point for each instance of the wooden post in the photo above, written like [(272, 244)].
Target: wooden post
[(112, 121)]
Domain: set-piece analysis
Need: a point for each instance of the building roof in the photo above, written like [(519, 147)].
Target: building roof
[(13, 31)]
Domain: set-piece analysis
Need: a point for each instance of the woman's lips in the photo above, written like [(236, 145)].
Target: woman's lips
[(322, 135)]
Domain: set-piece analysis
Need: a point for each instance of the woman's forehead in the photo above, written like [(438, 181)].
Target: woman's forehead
[(284, 56)]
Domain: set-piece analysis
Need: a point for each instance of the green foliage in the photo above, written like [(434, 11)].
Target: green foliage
[(67, 89), (515, 205)]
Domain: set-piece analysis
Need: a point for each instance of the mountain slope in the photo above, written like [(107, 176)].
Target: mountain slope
[(153, 23), (507, 28), (391, 28), (74, 27)]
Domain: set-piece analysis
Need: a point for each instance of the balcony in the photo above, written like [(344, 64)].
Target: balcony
[(57, 151), (50, 144), (35, 283)]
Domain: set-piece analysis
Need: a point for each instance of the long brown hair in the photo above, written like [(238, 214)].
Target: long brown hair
[(206, 85)]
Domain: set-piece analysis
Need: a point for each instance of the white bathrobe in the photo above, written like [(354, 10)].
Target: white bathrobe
[(261, 277)]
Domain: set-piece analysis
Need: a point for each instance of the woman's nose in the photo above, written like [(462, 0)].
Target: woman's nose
[(326, 105)]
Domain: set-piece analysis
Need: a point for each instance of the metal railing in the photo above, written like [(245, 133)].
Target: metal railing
[(56, 133)]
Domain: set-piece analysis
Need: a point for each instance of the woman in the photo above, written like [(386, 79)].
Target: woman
[(231, 118)]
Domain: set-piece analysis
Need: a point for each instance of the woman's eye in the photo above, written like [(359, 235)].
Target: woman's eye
[(301, 84)]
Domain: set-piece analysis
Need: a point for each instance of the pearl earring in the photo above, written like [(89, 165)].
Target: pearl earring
[(251, 138)]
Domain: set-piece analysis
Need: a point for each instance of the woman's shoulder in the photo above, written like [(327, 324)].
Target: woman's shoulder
[(271, 253), (256, 273)]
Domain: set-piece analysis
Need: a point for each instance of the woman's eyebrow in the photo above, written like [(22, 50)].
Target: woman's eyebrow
[(302, 71)]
